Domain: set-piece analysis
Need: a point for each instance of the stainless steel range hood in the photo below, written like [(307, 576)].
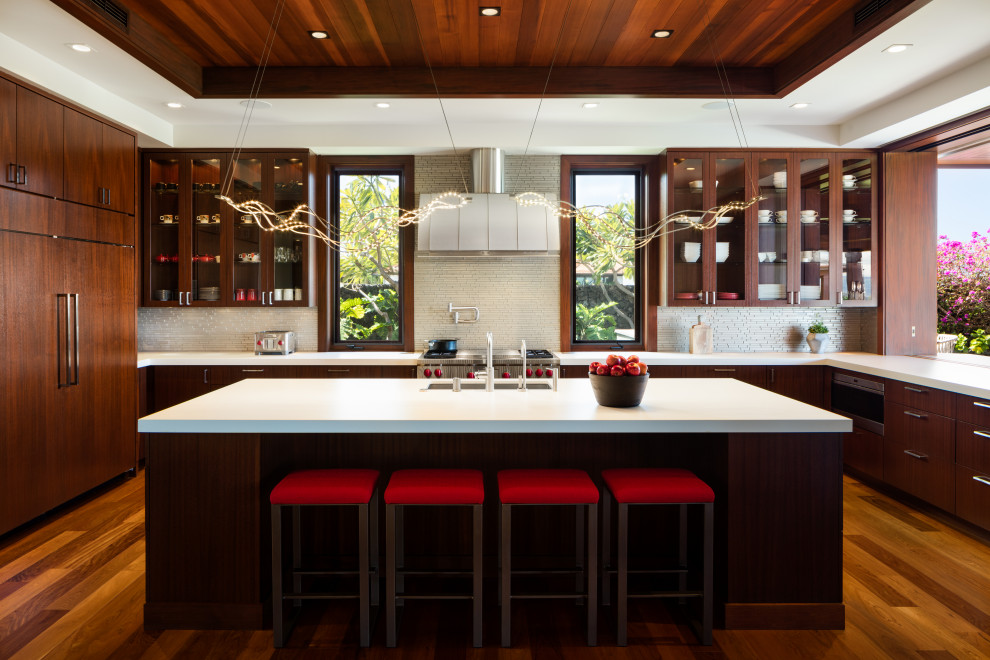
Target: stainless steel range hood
[(491, 222)]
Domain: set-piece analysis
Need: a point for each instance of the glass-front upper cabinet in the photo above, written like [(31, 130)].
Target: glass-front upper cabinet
[(247, 253), (731, 179), (162, 238), (859, 229), (686, 271), (207, 238), (289, 251), (813, 284), (773, 248)]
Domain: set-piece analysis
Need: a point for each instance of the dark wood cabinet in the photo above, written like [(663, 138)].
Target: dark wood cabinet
[(69, 404), (173, 385), (32, 151), (973, 496), (920, 397), (973, 446), (752, 374), (804, 383), (101, 160), (862, 450), (199, 252), (973, 410), (923, 475), (919, 430)]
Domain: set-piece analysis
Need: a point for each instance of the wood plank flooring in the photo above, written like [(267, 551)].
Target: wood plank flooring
[(72, 587)]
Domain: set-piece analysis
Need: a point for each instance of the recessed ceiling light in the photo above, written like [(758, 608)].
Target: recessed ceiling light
[(490, 11), (661, 34), (319, 34), (717, 105), (174, 104), (799, 106), (589, 106), (383, 105), (81, 48), (258, 104), (896, 48)]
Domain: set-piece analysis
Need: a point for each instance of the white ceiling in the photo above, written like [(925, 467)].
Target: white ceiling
[(867, 99)]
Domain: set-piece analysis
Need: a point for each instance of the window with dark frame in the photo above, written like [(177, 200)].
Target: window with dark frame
[(369, 293), (606, 274)]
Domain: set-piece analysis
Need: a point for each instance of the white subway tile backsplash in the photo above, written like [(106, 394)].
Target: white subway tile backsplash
[(220, 328)]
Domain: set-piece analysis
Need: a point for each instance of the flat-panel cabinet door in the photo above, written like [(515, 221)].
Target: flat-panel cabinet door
[(8, 128), (28, 379), (94, 436), (39, 143), (83, 145), (118, 169)]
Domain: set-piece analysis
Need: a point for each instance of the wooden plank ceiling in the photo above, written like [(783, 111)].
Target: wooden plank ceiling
[(212, 48)]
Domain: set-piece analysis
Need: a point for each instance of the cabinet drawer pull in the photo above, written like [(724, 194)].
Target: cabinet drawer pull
[(205, 380), (253, 371), (981, 405), (338, 371), (981, 434), (12, 173), (983, 480), (724, 370), (915, 390), (914, 454), (915, 415), (21, 170)]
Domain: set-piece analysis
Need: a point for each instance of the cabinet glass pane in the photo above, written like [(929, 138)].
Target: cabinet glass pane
[(815, 219), (164, 223), (687, 177), (857, 229), (289, 177), (772, 229), (206, 244), (730, 234), (247, 235)]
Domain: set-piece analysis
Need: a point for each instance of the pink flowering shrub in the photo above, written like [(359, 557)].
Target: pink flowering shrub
[(963, 289)]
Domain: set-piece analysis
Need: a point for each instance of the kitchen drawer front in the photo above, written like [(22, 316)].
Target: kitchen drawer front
[(928, 478), (398, 371), (754, 375), (973, 446), (862, 450), (920, 431), (920, 397), (973, 496), (349, 371), (228, 375), (973, 410)]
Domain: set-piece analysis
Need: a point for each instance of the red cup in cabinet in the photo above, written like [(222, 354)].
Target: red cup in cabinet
[(252, 294), (239, 294)]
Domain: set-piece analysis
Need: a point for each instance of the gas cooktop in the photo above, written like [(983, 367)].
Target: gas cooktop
[(531, 354)]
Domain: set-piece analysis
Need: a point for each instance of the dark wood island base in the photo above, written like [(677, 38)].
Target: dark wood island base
[(778, 507)]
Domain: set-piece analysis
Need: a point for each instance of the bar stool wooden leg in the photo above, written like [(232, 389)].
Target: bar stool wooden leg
[(390, 575), (278, 615), (375, 563), (622, 584), (506, 581), (476, 569), (579, 550), (592, 574), (606, 547), (296, 552), (706, 633), (363, 566), (682, 552)]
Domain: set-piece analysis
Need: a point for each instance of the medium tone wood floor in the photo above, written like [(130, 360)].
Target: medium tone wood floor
[(73, 587)]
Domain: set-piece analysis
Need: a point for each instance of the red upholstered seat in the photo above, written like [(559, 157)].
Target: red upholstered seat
[(333, 486), (435, 487), (546, 487), (657, 486)]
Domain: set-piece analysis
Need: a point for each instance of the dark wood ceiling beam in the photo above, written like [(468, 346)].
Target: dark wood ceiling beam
[(838, 39), (487, 82), (144, 43)]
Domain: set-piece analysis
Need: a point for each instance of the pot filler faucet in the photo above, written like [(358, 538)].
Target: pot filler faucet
[(489, 369)]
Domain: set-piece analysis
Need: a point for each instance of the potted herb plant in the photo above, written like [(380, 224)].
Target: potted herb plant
[(817, 336)]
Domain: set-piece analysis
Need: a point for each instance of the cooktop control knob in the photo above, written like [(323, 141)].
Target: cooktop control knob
[(427, 372)]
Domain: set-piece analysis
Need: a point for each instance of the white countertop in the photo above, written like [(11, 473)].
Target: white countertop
[(691, 405), (941, 373)]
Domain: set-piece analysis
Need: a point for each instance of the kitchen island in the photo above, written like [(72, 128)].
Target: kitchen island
[(775, 465)]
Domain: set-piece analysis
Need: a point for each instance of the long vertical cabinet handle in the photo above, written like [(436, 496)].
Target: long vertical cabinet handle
[(22, 170), (63, 355), (75, 338)]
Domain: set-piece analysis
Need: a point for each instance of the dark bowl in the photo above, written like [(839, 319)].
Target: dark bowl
[(618, 391)]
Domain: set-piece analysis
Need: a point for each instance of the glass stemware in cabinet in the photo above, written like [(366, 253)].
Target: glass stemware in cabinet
[(248, 287), (814, 234), (207, 244), (730, 234), (163, 239), (289, 284), (857, 230), (771, 219), (687, 263)]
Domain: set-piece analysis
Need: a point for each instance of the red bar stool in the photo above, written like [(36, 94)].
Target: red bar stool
[(653, 486), (557, 488), (430, 488), (331, 487)]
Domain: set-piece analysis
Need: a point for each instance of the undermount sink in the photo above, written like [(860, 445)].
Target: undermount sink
[(476, 385)]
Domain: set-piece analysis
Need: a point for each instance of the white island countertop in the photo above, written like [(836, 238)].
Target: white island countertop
[(683, 405)]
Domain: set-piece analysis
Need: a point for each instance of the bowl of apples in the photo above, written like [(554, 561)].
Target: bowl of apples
[(618, 382)]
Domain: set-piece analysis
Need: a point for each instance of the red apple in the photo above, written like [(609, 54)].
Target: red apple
[(642, 367), (593, 367), (603, 370), (618, 370), (632, 358), (632, 369), (612, 360)]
